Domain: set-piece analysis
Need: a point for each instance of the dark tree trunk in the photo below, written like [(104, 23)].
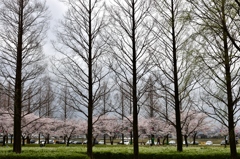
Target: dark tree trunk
[(230, 103), (185, 139), (90, 86), (7, 139), (232, 141), (131, 136), (122, 138), (94, 140), (47, 139), (18, 85), (23, 141), (4, 140), (176, 94), (68, 139), (194, 138), (111, 140), (28, 140), (164, 138), (134, 87), (11, 138)]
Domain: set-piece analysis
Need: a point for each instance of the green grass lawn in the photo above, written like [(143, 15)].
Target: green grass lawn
[(54, 151)]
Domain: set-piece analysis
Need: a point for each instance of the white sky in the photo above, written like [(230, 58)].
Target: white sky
[(57, 9)]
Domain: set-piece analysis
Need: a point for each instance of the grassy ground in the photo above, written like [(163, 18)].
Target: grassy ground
[(55, 151)]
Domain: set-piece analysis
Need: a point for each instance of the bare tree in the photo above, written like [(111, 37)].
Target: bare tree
[(129, 46), (123, 107), (105, 102), (23, 25), (65, 103), (81, 48), (43, 101), (151, 101), (219, 71), (173, 60), (49, 95)]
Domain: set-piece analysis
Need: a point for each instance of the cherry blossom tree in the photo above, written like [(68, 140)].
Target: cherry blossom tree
[(6, 124), (68, 128), (46, 128), (109, 125), (29, 127), (193, 122), (83, 125), (224, 132), (156, 128), (127, 126), (96, 131), (142, 127), (167, 130)]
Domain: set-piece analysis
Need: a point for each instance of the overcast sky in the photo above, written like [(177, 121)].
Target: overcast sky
[(57, 10)]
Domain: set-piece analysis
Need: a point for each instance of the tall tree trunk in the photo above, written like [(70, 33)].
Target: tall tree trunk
[(18, 85), (134, 89), (232, 141), (176, 96), (90, 112), (90, 90), (230, 103)]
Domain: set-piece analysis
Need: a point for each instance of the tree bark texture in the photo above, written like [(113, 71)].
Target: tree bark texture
[(18, 85)]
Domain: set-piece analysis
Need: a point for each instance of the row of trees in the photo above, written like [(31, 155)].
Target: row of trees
[(33, 127), (170, 57)]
